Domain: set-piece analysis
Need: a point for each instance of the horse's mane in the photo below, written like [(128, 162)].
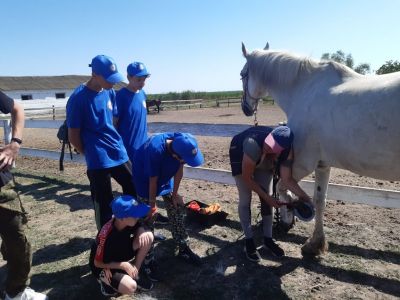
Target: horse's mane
[(277, 67)]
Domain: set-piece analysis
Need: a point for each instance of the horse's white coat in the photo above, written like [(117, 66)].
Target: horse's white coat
[(339, 118)]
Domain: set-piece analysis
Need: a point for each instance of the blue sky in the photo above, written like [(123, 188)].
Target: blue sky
[(188, 45)]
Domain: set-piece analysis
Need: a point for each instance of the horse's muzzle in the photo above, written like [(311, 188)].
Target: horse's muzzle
[(247, 110)]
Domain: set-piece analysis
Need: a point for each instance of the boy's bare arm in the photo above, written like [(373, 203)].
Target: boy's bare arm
[(74, 136)]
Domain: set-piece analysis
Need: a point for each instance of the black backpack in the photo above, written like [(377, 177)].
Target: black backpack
[(62, 135)]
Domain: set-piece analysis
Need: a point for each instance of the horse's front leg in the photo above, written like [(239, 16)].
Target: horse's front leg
[(317, 244)]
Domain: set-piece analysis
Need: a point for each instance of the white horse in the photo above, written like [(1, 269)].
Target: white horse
[(339, 118)]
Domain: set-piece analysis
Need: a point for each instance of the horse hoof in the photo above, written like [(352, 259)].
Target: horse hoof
[(312, 249)]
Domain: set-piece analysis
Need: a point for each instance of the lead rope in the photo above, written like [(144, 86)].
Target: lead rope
[(255, 118)]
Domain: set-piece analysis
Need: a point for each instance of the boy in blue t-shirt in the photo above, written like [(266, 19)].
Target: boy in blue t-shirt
[(157, 161), (131, 115), (90, 111)]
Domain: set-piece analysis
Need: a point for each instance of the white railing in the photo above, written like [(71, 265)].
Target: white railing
[(363, 195)]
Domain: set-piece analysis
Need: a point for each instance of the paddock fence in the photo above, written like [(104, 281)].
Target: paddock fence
[(362, 195), (57, 111)]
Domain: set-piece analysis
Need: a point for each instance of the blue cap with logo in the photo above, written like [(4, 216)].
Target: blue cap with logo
[(105, 66), (126, 206), (137, 69), (185, 145)]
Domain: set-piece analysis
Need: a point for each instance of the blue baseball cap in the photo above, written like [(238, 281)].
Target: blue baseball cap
[(304, 211), (105, 66), (126, 206), (137, 69), (279, 139), (185, 145)]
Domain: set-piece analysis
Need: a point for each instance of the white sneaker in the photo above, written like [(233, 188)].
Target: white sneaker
[(28, 294)]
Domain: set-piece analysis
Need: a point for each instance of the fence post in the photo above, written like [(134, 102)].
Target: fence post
[(7, 131), (54, 112)]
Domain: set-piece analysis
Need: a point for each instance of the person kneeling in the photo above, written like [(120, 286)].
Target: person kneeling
[(120, 248)]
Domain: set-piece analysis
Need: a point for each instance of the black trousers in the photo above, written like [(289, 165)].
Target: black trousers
[(101, 189)]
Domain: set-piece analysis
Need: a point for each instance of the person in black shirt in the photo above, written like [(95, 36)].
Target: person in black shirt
[(120, 248), (15, 248), (255, 154)]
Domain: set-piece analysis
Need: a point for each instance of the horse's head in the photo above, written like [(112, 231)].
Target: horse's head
[(252, 90)]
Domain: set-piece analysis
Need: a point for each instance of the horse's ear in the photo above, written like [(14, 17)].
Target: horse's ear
[(266, 46), (244, 51)]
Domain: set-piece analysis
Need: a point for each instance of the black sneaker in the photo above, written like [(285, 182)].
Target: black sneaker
[(159, 237), (188, 255), (273, 247), (251, 251), (144, 283), (107, 290), (160, 219), (151, 271)]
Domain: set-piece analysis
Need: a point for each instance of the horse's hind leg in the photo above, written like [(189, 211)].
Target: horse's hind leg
[(317, 244)]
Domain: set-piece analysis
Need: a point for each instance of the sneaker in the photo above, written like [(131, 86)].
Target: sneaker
[(144, 283), (28, 294), (151, 271), (107, 290), (273, 247), (251, 251), (159, 237), (188, 255), (160, 219)]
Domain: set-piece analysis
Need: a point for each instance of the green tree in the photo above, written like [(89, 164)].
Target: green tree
[(341, 57), (389, 67), (363, 69)]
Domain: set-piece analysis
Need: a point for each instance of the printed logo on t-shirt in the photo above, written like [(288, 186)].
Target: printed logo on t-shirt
[(109, 105)]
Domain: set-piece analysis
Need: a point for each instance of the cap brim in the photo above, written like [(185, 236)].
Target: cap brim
[(195, 161), (115, 78), (140, 211), (275, 147), (142, 74)]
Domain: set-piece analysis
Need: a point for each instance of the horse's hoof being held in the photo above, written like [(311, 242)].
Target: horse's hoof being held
[(314, 248)]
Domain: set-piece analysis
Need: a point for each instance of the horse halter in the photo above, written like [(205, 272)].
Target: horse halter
[(248, 111)]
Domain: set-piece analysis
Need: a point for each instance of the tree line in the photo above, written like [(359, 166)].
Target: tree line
[(339, 56)]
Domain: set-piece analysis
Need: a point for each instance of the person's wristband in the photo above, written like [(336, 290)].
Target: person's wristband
[(17, 140)]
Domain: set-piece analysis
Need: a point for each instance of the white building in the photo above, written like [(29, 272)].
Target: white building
[(42, 87)]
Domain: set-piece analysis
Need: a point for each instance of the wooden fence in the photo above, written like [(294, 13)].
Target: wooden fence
[(55, 112)]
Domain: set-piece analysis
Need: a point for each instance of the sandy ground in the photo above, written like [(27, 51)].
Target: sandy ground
[(363, 261)]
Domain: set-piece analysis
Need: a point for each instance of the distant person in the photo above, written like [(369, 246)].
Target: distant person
[(159, 159), (15, 248), (120, 248), (254, 155), (91, 131), (131, 117)]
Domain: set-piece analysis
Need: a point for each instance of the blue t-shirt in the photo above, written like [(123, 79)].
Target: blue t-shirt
[(132, 114), (92, 112), (153, 159)]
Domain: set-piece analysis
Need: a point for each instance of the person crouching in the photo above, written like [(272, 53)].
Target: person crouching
[(120, 248)]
